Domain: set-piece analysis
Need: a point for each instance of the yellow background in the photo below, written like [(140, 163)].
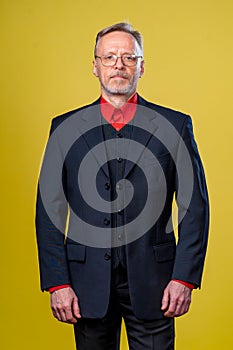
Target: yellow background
[(46, 70)]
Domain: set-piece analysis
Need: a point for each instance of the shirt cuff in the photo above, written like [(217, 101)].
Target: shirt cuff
[(186, 284), (52, 289)]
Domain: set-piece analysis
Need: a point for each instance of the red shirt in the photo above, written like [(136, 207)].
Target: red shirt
[(128, 112)]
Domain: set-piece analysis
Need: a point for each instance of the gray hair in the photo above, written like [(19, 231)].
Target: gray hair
[(120, 27)]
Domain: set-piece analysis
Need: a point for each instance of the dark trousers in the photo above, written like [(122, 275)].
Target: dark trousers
[(104, 334)]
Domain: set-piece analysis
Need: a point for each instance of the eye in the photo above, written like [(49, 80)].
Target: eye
[(108, 58), (129, 58)]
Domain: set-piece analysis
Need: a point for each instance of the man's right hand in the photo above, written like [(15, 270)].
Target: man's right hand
[(64, 305)]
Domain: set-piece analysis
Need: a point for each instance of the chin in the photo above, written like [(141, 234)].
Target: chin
[(119, 90)]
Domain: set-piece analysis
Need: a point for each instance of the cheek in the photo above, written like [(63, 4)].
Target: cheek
[(138, 72), (103, 74), (133, 73)]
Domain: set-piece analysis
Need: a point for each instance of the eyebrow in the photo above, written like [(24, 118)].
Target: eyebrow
[(124, 53)]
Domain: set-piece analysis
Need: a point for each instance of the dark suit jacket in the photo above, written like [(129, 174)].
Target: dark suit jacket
[(154, 258)]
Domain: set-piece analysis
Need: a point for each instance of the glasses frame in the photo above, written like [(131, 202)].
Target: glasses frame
[(116, 58)]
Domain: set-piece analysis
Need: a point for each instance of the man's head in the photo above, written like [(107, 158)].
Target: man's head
[(118, 60)]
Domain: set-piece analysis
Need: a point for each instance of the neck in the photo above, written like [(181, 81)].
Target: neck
[(117, 100)]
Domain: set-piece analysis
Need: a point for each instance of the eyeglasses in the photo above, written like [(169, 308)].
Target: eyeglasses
[(126, 59)]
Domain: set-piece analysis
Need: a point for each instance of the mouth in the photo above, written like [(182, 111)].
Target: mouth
[(118, 76)]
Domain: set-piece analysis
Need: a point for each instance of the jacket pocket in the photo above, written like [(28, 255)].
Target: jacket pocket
[(165, 251), (76, 252)]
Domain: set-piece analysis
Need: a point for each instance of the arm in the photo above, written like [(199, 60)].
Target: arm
[(51, 216), (192, 232)]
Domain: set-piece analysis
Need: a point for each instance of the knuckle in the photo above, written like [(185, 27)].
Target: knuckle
[(181, 300), (172, 306), (70, 319), (59, 307), (174, 300)]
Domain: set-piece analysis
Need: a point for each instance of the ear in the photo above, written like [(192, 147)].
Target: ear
[(95, 70), (142, 68)]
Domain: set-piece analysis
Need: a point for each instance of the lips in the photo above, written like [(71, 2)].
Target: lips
[(118, 77), (121, 76)]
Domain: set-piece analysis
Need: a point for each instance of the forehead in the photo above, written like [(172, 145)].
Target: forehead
[(117, 41)]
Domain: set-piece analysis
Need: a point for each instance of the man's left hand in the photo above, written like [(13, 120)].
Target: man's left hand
[(176, 299)]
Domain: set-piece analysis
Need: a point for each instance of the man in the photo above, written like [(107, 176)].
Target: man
[(136, 271)]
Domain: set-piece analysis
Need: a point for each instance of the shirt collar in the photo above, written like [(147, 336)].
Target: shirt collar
[(128, 109)]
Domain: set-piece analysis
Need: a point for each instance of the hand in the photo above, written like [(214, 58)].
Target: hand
[(64, 305), (176, 299)]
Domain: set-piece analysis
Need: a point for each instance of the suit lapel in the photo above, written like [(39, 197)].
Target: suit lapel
[(90, 126), (144, 126)]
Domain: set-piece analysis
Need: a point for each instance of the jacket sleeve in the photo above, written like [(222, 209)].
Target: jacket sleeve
[(193, 212), (51, 216)]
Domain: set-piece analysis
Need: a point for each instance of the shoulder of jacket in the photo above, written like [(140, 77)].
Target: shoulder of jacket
[(56, 121), (171, 114)]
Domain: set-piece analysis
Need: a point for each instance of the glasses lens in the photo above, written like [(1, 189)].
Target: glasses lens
[(108, 60), (129, 60)]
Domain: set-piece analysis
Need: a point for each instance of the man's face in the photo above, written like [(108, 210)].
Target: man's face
[(118, 79)]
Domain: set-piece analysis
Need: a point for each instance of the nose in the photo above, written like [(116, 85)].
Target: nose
[(119, 63)]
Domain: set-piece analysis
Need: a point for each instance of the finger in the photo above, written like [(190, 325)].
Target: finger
[(183, 309), (56, 314), (165, 300), (59, 311), (69, 316), (56, 306), (62, 315), (180, 309), (171, 309), (76, 309)]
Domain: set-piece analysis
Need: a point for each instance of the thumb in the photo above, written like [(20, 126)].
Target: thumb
[(76, 309), (165, 300)]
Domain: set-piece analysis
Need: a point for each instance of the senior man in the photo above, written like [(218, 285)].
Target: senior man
[(143, 275)]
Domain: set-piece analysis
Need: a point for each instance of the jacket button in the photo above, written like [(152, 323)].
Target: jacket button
[(119, 135), (119, 159), (106, 221), (107, 186), (107, 256), (120, 212)]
